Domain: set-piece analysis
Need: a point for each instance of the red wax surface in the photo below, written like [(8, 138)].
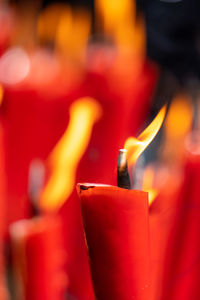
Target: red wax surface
[(182, 264), (116, 226), (39, 259)]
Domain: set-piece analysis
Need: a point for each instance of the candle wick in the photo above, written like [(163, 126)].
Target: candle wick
[(123, 179)]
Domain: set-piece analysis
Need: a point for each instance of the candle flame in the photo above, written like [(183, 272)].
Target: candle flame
[(176, 130), (114, 13), (73, 32), (119, 20), (180, 109), (68, 152), (48, 21), (135, 146), (69, 29)]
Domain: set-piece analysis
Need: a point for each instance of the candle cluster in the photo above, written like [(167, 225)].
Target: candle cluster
[(99, 196)]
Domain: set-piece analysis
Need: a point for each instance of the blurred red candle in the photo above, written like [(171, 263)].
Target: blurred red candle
[(38, 258), (181, 269), (168, 173)]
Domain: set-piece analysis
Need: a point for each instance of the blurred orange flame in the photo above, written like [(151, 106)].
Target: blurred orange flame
[(178, 124), (73, 32), (48, 21), (118, 20), (180, 109), (68, 152), (114, 13), (68, 29), (148, 182), (135, 146)]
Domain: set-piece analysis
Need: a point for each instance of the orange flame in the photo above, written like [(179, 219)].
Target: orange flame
[(67, 153), (48, 20), (135, 146), (73, 32), (178, 124), (118, 19), (114, 13), (148, 182), (180, 110), (68, 29)]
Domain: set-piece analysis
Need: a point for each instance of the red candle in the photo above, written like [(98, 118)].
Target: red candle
[(168, 180), (38, 258), (181, 268), (116, 225)]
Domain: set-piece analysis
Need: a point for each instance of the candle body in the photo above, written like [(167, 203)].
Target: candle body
[(182, 265), (117, 233), (39, 259)]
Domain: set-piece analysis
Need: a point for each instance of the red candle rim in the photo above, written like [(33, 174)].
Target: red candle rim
[(106, 187)]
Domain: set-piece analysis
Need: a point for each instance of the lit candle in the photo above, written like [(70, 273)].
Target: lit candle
[(63, 162), (168, 173), (116, 222)]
